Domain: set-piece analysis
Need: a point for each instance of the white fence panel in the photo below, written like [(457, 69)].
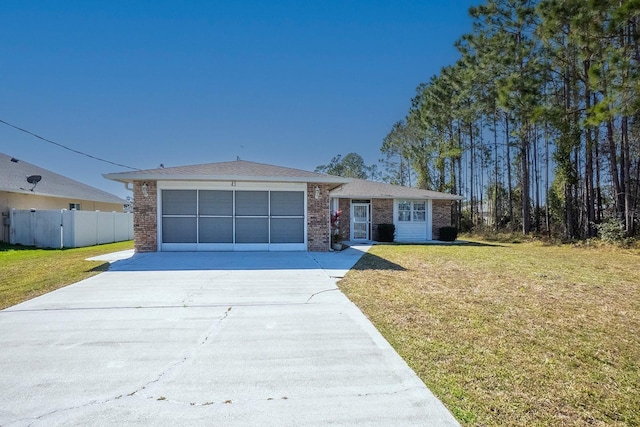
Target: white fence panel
[(20, 232), (36, 228), (85, 228), (47, 227), (68, 230), (71, 229), (123, 225), (106, 227)]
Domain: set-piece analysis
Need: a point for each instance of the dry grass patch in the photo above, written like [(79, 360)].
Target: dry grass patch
[(512, 334), (27, 272)]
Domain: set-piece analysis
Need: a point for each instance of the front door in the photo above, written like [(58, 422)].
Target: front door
[(360, 221)]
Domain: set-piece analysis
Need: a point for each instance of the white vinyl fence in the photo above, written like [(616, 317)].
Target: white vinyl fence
[(68, 229)]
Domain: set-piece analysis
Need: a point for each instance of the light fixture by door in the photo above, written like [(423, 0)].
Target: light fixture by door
[(317, 192), (145, 192)]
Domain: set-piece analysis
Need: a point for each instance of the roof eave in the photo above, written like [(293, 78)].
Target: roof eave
[(392, 196), (124, 177)]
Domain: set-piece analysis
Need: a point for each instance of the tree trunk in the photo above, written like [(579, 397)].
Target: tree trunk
[(613, 165), (524, 183), (495, 177), (596, 137), (471, 162), (547, 218), (508, 160), (625, 167), (589, 193)]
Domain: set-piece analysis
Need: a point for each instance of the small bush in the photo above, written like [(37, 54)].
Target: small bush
[(612, 231), (386, 232), (448, 234)]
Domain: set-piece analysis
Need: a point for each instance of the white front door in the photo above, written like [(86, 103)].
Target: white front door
[(360, 221)]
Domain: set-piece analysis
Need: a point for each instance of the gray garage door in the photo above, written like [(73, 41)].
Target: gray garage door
[(232, 217)]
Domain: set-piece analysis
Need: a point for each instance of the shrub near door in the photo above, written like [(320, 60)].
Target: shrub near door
[(448, 234), (386, 232)]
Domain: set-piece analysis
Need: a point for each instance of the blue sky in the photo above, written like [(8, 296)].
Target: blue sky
[(290, 83)]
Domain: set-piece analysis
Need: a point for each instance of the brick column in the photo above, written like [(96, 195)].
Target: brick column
[(441, 216), (145, 217), (381, 213), (318, 218), (345, 218)]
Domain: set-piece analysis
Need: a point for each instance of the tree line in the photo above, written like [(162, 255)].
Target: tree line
[(537, 123)]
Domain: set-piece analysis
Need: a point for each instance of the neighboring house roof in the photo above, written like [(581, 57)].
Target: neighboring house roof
[(238, 170), (13, 178), (360, 188)]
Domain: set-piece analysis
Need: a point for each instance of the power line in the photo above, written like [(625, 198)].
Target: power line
[(67, 148)]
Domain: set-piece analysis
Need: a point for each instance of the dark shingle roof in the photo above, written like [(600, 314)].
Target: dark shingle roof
[(360, 188), (13, 178), (238, 170)]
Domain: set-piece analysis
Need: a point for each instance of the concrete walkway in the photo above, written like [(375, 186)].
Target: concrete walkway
[(230, 339)]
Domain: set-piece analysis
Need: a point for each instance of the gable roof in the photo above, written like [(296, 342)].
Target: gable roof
[(237, 170), (361, 188), (13, 178)]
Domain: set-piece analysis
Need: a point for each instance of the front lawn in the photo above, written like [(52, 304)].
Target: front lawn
[(512, 334), (27, 272)]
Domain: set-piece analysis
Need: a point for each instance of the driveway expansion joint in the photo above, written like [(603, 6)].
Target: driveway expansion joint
[(320, 292), (213, 328), (391, 393), (55, 411), (188, 354)]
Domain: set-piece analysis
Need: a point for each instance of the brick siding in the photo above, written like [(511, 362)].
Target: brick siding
[(441, 216), (345, 218), (318, 218), (145, 217), (381, 213)]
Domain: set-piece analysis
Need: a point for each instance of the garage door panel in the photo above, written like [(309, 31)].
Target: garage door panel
[(287, 203), (220, 219), (179, 230), (179, 202), (252, 230), (216, 230), (252, 203), (215, 202), (287, 230)]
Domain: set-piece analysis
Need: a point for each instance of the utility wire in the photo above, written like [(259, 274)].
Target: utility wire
[(67, 148)]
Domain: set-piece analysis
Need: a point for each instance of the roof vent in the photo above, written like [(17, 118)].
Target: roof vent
[(14, 160)]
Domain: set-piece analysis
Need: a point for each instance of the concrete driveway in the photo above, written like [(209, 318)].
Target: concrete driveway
[(206, 339)]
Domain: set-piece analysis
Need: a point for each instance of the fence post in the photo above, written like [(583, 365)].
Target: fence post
[(12, 227), (61, 229), (32, 227)]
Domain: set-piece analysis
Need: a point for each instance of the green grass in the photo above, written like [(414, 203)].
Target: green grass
[(26, 272), (512, 334)]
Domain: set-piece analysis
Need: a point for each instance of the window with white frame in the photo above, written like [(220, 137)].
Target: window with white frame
[(419, 210), (412, 210), (404, 210)]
